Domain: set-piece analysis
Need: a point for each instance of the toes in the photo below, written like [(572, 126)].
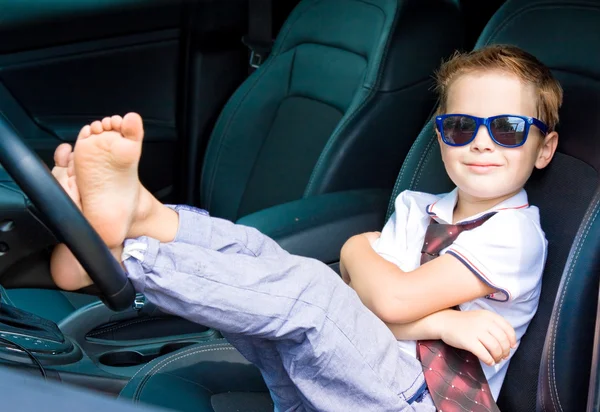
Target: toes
[(60, 174), (132, 127), (71, 164), (97, 127), (85, 132), (71, 168), (106, 124), (115, 122), (61, 155)]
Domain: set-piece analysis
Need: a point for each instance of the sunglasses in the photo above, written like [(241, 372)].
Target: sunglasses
[(506, 130)]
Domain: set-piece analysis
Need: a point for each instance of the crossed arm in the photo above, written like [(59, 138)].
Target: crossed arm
[(417, 304)]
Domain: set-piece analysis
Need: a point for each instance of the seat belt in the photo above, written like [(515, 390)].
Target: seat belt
[(260, 31)]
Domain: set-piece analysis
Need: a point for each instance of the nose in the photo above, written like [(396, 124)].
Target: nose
[(483, 141)]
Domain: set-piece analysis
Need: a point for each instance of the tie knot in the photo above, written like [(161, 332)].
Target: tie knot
[(439, 236)]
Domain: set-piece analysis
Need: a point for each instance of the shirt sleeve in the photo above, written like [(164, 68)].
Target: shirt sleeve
[(508, 253), (392, 242)]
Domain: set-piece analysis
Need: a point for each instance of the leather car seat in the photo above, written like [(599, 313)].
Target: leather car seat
[(550, 371), (335, 107)]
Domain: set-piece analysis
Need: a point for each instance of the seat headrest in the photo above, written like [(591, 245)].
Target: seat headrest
[(356, 28), (565, 36)]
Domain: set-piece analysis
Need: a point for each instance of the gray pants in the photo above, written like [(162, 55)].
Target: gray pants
[(317, 346)]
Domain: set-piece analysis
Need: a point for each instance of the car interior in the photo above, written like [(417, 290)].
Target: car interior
[(302, 118)]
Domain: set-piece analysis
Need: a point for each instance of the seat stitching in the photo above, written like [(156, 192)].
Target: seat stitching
[(580, 241), (404, 168), (409, 156), (216, 345), (153, 372), (367, 99), (323, 43), (421, 169), (124, 324), (420, 164), (144, 366)]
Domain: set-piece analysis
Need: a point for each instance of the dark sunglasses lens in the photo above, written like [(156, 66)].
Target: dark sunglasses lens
[(508, 131), (458, 130)]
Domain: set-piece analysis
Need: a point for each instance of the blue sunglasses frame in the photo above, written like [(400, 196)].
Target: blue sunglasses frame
[(486, 121)]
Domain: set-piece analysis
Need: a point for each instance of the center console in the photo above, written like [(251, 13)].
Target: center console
[(118, 343)]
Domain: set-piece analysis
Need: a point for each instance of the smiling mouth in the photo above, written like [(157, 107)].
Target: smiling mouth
[(482, 167)]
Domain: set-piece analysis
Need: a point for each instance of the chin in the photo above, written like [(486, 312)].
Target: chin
[(487, 191)]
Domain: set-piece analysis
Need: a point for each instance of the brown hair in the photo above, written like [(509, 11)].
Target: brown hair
[(509, 59)]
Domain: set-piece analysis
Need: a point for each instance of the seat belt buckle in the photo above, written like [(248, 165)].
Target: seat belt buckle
[(258, 52), (256, 59)]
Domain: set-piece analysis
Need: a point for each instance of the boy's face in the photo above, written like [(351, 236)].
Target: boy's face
[(483, 170)]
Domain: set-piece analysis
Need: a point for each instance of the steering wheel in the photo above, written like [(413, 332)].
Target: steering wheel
[(63, 218)]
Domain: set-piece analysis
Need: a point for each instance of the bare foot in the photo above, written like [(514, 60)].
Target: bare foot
[(114, 201), (107, 155), (66, 271)]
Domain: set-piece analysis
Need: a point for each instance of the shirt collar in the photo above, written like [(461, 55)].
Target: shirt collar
[(442, 210)]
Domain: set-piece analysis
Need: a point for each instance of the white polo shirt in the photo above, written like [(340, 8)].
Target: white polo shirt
[(507, 252)]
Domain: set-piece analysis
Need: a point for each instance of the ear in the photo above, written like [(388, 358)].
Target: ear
[(546, 150)]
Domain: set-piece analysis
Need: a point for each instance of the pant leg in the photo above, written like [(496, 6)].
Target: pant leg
[(226, 237), (196, 227), (264, 355), (338, 354)]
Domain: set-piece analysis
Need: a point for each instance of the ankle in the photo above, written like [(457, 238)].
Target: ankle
[(153, 219)]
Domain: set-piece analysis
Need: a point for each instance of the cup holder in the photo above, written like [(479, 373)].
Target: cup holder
[(124, 358)]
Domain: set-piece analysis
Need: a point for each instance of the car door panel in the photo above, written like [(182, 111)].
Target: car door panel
[(64, 87), (76, 62)]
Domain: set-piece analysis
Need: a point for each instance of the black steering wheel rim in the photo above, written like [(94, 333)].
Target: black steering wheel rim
[(63, 218)]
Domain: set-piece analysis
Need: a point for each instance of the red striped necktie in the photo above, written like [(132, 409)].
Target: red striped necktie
[(454, 377)]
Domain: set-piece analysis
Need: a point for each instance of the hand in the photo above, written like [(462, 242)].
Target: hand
[(483, 333), (371, 236)]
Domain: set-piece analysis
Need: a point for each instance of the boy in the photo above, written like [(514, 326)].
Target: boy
[(320, 344)]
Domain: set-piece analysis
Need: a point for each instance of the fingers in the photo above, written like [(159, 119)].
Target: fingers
[(61, 155), (493, 347), (508, 330), (503, 340), (481, 351)]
